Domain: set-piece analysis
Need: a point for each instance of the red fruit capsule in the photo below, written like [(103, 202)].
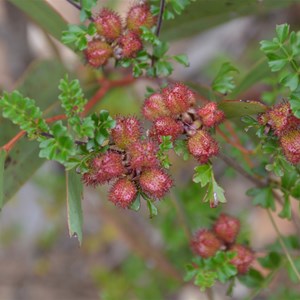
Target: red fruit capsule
[(129, 44), (155, 107), (205, 243), (166, 126), (243, 259), (227, 228), (123, 193), (108, 24), (155, 183), (143, 154), (98, 53), (210, 115), (177, 98), (140, 15), (290, 143), (202, 146), (127, 131)]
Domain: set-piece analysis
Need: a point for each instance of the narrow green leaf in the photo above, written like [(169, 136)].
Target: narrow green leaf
[(152, 208), (136, 203), (74, 196), (182, 59), (2, 161)]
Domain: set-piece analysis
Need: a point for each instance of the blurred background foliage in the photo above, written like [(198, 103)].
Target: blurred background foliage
[(125, 255)]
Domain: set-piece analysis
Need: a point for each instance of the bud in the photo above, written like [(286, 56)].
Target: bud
[(108, 24), (155, 183), (243, 259), (127, 131), (210, 115), (104, 168), (227, 228), (290, 143), (202, 146), (177, 98), (205, 243), (140, 15), (143, 154), (166, 126), (155, 107), (129, 44), (98, 53), (123, 193)]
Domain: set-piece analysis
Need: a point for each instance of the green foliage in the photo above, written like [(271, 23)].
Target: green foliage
[(86, 8), (283, 54), (60, 147), (74, 196), (173, 8), (73, 102), (206, 271), (211, 192), (23, 112), (77, 35), (223, 83), (162, 153), (263, 197), (180, 148)]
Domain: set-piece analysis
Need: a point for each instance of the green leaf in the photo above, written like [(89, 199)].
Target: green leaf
[(163, 68), (77, 35), (74, 196), (182, 59), (180, 148), (203, 174), (286, 212), (152, 208), (136, 204), (252, 278), (270, 261), (2, 162), (239, 108), (44, 15), (291, 81), (282, 32), (263, 197), (24, 155), (223, 83)]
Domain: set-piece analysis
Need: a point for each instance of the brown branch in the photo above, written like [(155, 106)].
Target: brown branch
[(160, 17), (78, 6)]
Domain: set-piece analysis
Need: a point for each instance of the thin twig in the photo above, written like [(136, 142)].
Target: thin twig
[(160, 17), (209, 294), (232, 163), (285, 250), (78, 6)]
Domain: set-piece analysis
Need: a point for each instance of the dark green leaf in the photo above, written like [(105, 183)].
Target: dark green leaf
[(152, 208), (263, 197), (203, 174), (252, 279), (286, 212), (74, 196), (271, 261)]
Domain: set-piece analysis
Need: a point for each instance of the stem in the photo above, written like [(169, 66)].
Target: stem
[(209, 294), (160, 17), (285, 250), (79, 8)]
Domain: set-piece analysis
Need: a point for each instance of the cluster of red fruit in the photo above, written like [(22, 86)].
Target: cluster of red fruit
[(285, 126), (132, 162), (115, 40), (173, 112), (222, 237)]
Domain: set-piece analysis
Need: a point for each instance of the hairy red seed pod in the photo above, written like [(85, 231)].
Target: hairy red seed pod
[(278, 117), (129, 44), (140, 15), (165, 126), (104, 168), (143, 154), (202, 146), (290, 143), (123, 193), (243, 259), (98, 53), (177, 98), (127, 131), (205, 243), (227, 228), (155, 107), (108, 24), (210, 115), (155, 182)]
